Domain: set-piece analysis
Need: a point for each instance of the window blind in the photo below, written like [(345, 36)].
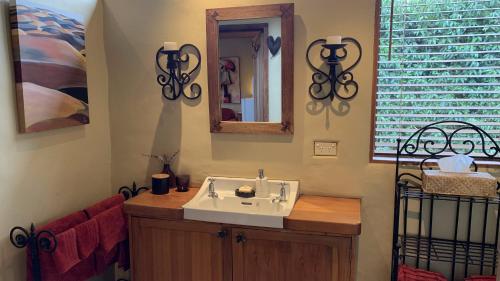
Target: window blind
[(437, 60)]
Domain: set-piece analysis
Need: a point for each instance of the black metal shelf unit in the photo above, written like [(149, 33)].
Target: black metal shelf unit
[(420, 246)]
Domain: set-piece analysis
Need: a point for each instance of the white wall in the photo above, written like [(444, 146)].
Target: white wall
[(275, 74), (46, 175), (143, 122)]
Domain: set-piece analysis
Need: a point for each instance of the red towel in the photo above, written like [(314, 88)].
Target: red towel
[(87, 238), (105, 259), (407, 273), (65, 223), (80, 272), (112, 228), (66, 254), (105, 205), (481, 278), (49, 267), (113, 233), (119, 254)]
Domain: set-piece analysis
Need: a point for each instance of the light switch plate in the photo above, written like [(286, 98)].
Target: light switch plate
[(325, 148)]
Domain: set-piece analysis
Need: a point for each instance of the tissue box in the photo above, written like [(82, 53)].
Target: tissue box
[(466, 184)]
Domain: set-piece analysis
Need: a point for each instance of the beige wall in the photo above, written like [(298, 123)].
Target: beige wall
[(241, 48), (143, 122), (46, 175)]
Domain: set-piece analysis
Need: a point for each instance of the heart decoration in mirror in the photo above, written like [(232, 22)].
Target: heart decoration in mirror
[(274, 44)]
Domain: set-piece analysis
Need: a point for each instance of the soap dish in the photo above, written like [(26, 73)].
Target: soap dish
[(244, 194)]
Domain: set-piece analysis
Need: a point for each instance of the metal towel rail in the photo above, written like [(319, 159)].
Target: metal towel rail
[(46, 241)]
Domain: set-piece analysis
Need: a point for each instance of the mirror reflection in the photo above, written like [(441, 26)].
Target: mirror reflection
[(250, 70)]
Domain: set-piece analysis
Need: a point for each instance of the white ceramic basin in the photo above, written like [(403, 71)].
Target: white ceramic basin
[(230, 209)]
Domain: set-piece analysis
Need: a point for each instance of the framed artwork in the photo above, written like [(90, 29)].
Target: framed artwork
[(230, 85), (50, 66)]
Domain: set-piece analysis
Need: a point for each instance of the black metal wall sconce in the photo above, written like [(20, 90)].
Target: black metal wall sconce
[(333, 53), (174, 76)]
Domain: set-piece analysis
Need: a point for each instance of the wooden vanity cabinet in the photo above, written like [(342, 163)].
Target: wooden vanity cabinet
[(262, 255), (164, 250)]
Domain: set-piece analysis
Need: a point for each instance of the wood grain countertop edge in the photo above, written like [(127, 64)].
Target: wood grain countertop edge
[(148, 206)]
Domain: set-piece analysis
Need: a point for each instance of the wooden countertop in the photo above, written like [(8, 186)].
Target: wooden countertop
[(311, 213)]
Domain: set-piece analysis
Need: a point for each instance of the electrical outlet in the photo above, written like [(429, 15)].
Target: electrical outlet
[(325, 148)]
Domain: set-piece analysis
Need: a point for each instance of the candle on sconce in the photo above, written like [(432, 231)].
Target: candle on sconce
[(170, 46), (334, 40)]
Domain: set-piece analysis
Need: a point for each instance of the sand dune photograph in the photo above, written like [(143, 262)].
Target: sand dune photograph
[(50, 67)]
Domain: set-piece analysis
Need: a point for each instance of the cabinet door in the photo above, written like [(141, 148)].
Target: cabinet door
[(285, 256), (176, 251)]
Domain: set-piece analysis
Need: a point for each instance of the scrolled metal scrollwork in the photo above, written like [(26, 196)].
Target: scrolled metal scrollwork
[(444, 142), (128, 192), (36, 242), (173, 78), (333, 56), (19, 237), (409, 179), (47, 241), (44, 240)]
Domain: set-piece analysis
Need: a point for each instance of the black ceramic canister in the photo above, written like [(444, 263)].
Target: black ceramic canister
[(160, 184)]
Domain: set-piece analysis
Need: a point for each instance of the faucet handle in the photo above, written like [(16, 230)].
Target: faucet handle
[(283, 191), (261, 173), (211, 180)]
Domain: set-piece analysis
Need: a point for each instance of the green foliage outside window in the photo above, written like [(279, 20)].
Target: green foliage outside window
[(444, 65)]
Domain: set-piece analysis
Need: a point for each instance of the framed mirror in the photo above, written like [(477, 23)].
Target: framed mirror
[(250, 69)]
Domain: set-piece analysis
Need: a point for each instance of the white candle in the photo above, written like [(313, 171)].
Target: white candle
[(336, 39), (170, 46)]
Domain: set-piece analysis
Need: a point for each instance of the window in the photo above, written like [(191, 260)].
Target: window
[(437, 60)]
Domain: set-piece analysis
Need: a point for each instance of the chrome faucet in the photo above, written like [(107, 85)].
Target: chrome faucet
[(282, 196), (211, 189)]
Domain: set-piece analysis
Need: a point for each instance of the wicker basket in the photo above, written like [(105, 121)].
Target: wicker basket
[(464, 184)]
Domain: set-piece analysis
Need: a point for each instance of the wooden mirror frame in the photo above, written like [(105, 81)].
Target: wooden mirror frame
[(286, 12)]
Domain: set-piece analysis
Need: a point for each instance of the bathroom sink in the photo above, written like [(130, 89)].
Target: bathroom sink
[(228, 208)]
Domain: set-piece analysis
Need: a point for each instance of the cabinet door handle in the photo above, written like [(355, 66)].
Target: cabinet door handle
[(222, 234), (240, 238)]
